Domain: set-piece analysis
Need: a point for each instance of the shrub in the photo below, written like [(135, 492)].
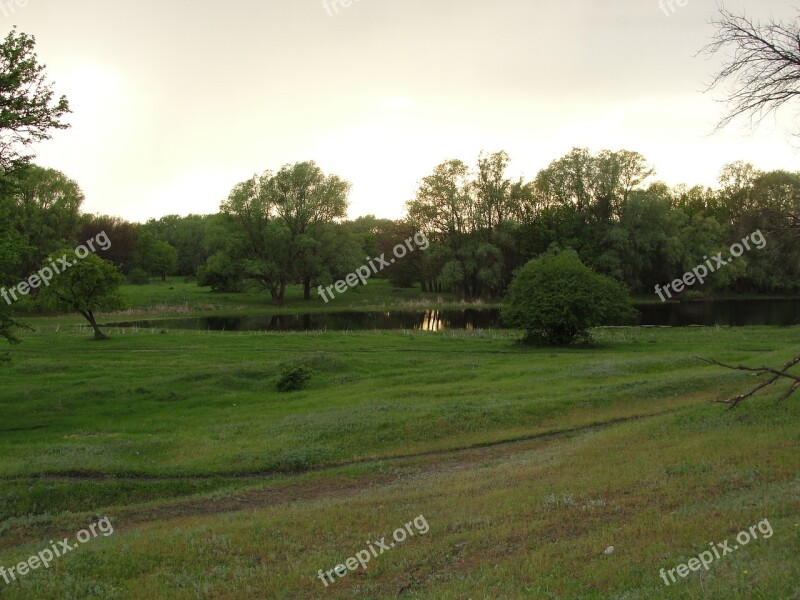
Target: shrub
[(555, 299), (294, 378), (138, 277)]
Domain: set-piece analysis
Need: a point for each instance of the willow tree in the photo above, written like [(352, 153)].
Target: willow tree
[(761, 66), (281, 224)]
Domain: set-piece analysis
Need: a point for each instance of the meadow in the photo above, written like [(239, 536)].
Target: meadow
[(528, 464)]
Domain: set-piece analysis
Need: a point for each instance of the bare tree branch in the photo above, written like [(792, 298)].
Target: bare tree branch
[(776, 375), (762, 64)]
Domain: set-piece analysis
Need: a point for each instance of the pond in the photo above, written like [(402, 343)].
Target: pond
[(675, 314)]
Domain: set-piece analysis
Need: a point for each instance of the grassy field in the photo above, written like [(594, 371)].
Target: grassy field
[(527, 464), (182, 298)]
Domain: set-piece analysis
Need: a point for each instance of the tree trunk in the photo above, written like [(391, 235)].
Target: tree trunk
[(163, 276), (307, 288), (98, 335)]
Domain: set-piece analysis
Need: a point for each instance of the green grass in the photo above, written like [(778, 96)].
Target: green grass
[(182, 297), (526, 463)]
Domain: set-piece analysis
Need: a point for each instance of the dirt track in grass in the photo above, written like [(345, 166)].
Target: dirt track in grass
[(316, 485)]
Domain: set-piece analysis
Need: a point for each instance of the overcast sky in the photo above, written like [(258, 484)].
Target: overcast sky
[(175, 101)]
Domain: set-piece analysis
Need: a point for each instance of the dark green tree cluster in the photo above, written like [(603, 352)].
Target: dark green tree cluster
[(483, 226), (281, 228)]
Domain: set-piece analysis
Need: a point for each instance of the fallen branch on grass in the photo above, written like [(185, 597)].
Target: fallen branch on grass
[(776, 375)]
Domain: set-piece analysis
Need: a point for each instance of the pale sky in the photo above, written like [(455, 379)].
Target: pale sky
[(175, 101)]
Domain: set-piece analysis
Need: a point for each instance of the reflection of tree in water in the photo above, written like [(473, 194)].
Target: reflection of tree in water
[(292, 323), (431, 320)]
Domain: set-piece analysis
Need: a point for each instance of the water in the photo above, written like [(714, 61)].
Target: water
[(432, 320), (725, 312), (735, 313)]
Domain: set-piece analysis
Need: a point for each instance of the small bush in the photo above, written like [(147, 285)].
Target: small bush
[(138, 277), (556, 299), (294, 378)]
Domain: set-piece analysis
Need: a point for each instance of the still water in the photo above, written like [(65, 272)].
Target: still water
[(723, 312)]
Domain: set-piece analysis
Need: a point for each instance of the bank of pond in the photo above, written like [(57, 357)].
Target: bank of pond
[(732, 313)]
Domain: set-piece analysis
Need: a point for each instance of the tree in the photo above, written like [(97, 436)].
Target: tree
[(44, 207), (492, 191), (443, 208), (9, 252), (124, 234), (90, 285), (762, 64), (186, 235), (28, 108), (461, 213), (555, 299), (279, 222), (225, 247), (28, 113), (255, 240), (370, 230), (155, 256), (306, 200)]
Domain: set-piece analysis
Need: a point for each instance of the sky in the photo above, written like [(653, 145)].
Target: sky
[(176, 101)]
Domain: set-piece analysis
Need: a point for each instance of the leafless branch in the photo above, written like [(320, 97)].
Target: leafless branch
[(776, 375), (762, 64)]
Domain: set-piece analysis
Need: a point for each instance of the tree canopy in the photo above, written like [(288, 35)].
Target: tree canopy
[(556, 299), (29, 110), (90, 285)]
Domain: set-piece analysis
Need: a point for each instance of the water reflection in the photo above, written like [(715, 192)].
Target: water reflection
[(729, 312)]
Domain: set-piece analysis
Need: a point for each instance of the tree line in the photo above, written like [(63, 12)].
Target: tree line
[(288, 227)]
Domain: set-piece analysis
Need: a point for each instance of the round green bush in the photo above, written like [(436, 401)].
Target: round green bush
[(556, 299), (294, 378)]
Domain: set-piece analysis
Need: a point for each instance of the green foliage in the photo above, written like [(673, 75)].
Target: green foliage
[(187, 235), (138, 277), (556, 299), (7, 325), (155, 256), (30, 110), (43, 206), (37, 206), (279, 226), (294, 378), (124, 234), (90, 284)]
